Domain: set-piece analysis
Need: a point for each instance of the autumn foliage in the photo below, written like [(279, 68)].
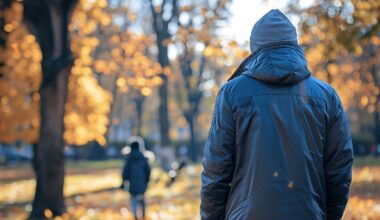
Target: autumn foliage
[(160, 65)]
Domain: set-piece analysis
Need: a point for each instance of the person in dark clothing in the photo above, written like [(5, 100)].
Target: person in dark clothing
[(279, 146), (137, 172)]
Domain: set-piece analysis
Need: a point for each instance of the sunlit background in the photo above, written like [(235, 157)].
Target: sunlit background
[(152, 68)]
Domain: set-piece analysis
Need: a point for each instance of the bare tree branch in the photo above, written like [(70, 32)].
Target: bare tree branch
[(175, 11)]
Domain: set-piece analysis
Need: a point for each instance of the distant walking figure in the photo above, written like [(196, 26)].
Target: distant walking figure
[(137, 172), (279, 145)]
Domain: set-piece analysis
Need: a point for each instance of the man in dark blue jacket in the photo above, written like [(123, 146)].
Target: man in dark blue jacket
[(279, 145), (137, 172)]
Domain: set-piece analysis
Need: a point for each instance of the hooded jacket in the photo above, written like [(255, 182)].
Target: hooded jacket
[(137, 172), (279, 146)]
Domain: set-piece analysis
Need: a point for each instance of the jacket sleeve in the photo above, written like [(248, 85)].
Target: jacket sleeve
[(218, 161), (338, 162), (126, 172), (147, 170)]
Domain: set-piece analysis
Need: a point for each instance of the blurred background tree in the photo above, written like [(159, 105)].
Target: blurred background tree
[(163, 14), (196, 40), (48, 21), (342, 41), (78, 73)]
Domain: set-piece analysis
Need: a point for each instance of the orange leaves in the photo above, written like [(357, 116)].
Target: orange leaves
[(214, 51), (120, 82), (88, 104), (375, 40), (333, 69), (88, 15), (87, 110), (180, 201), (12, 16), (132, 63), (146, 91), (19, 104)]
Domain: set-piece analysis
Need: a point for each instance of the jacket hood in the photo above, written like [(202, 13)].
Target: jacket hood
[(276, 56), (136, 155), (282, 65), (273, 27)]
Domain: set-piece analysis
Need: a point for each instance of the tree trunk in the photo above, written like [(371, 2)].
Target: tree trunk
[(112, 107), (163, 93), (193, 148), (377, 127), (375, 71), (48, 160), (139, 105), (48, 21), (5, 4), (163, 112), (161, 29)]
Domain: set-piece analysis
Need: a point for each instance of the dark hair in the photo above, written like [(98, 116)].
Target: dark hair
[(135, 145)]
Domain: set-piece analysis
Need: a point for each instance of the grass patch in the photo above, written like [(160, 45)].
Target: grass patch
[(368, 161), (102, 164)]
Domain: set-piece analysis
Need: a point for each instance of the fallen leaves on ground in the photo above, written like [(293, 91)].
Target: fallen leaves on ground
[(94, 195)]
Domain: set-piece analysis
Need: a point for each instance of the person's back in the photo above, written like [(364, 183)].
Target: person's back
[(279, 145), (136, 171)]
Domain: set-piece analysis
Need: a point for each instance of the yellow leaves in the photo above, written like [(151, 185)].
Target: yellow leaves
[(123, 89), (136, 70), (19, 107), (102, 3), (333, 69), (115, 39), (375, 40), (106, 67), (88, 104), (140, 81), (116, 53), (12, 16), (90, 4), (4, 100), (87, 111), (48, 213), (121, 82), (364, 101), (314, 55), (167, 71), (347, 67), (88, 15), (233, 44), (132, 16), (146, 91), (105, 21), (9, 27), (208, 51), (181, 122), (217, 51), (157, 80), (358, 50), (306, 39), (180, 201), (100, 66)]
